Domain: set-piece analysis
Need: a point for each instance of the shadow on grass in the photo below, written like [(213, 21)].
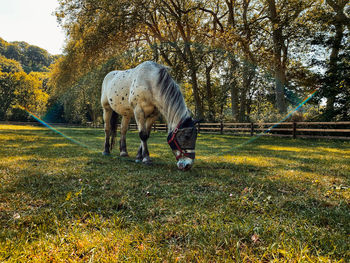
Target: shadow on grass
[(54, 183)]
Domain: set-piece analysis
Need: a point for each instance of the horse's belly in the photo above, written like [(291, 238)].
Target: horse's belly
[(119, 102), (125, 111), (121, 107)]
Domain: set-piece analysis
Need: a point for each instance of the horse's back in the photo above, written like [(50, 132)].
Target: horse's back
[(149, 66), (123, 90)]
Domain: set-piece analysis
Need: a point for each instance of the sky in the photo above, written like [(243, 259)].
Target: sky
[(32, 21)]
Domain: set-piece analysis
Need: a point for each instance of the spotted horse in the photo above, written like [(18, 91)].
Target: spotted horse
[(145, 92)]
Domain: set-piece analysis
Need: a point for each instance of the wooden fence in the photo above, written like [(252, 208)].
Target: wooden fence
[(320, 130)]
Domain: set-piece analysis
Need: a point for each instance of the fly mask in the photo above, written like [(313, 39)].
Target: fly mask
[(183, 139)]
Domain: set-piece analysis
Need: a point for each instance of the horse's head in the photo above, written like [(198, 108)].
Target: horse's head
[(182, 141)]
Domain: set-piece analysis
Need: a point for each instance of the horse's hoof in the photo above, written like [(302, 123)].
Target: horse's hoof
[(124, 154), (106, 154), (147, 161), (138, 161)]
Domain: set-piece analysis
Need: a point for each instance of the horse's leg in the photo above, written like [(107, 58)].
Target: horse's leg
[(113, 128), (144, 154), (123, 130), (139, 154), (141, 125), (107, 114)]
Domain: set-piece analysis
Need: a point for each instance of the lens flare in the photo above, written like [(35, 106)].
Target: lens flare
[(281, 121), (236, 147), (37, 118)]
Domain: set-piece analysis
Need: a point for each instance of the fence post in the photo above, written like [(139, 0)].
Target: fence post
[(251, 128), (154, 126), (199, 127), (221, 128), (294, 130)]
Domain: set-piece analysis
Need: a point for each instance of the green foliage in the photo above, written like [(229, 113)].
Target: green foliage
[(31, 58), (86, 88), (28, 95), (20, 89), (54, 113), (229, 54), (274, 200), (6, 93), (9, 65), (332, 33)]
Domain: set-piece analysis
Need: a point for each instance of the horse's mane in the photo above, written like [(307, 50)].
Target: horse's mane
[(173, 100)]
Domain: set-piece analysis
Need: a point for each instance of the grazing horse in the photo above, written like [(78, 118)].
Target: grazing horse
[(145, 92)]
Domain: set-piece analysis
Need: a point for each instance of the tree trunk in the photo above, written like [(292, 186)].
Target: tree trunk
[(248, 75), (197, 100), (280, 81), (234, 100), (242, 106), (332, 70), (210, 99), (278, 44), (194, 81)]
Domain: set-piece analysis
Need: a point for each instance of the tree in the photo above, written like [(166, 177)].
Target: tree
[(284, 27), (336, 86), (7, 68), (6, 93), (19, 90), (9, 65), (168, 25), (226, 53), (28, 95), (31, 58)]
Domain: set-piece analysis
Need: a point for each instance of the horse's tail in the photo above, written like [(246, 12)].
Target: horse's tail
[(114, 124)]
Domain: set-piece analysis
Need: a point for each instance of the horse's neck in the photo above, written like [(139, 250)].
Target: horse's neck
[(173, 120), (169, 98)]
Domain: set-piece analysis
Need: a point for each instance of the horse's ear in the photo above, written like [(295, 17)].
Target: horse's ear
[(198, 121)]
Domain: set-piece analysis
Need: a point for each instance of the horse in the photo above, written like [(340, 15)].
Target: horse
[(145, 92)]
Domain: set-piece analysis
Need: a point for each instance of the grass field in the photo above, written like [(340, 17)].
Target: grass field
[(273, 200)]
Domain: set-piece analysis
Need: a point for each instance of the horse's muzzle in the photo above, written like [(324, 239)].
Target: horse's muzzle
[(185, 164)]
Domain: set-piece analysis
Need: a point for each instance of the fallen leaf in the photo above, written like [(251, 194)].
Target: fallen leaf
[(16, 216), (255, 238)]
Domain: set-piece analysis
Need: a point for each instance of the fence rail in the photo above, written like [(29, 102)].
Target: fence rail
[(319, 130), (326, 130)]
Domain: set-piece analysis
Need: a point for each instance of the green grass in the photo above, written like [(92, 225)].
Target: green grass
[(278, 200)]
